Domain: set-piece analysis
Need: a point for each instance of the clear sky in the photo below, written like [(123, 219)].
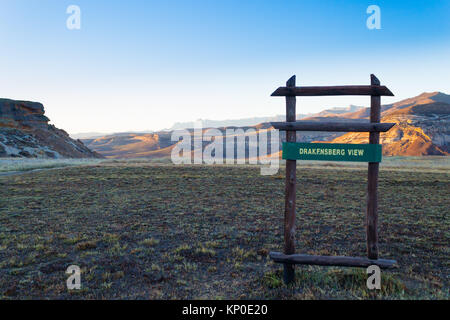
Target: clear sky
[(143, 65)]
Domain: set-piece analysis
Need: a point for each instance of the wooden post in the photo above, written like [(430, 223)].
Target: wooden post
[(372, 181), (291, 179)]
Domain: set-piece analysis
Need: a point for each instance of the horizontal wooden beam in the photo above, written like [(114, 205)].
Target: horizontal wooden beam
[(334, 91), (333, 126), (331, 261)]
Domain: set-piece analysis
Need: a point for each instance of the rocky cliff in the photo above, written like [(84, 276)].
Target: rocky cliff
[(25, 132), (422, 127)]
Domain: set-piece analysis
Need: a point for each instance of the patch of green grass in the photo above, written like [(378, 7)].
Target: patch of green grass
[(155, 267), (86, 245), (183, 248), (9, 164), (272, 280), (212, 269), (205, 251), (150, 242), (241, 254)]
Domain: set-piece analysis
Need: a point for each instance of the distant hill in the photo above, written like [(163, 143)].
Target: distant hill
[(87, 135), (230, 123), (157, 145), (423, 126), (132, 145), (422, 129), (25, 133), (246, 122)]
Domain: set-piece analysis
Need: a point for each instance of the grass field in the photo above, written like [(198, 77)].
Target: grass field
[(158, 231), (15, 165)]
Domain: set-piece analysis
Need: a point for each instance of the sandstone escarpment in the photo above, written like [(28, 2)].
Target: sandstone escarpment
[(25, 132), (422, 129)]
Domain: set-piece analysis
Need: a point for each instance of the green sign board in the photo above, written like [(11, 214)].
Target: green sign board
[(332, 152)]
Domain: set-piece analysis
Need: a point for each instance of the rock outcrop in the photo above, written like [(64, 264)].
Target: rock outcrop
[(422, 127), (25, 132)]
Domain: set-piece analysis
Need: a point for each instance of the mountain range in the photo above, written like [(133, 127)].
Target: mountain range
[(423, 128), (257, 120)]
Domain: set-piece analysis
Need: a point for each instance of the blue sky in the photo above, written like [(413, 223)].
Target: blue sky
[(142, 65)]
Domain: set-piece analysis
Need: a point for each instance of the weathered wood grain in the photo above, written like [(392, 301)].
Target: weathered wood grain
[(291, 179), (333, 126), (331, 260), (372, 90), (372, 180)]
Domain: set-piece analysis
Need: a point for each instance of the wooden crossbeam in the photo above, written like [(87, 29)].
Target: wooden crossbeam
[(333, 126), (331, 261), (372, 90)]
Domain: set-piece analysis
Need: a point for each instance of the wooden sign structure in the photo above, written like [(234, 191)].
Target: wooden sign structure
[(370, 153)]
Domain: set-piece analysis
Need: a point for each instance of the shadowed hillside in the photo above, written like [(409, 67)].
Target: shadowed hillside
[(25, 133)]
